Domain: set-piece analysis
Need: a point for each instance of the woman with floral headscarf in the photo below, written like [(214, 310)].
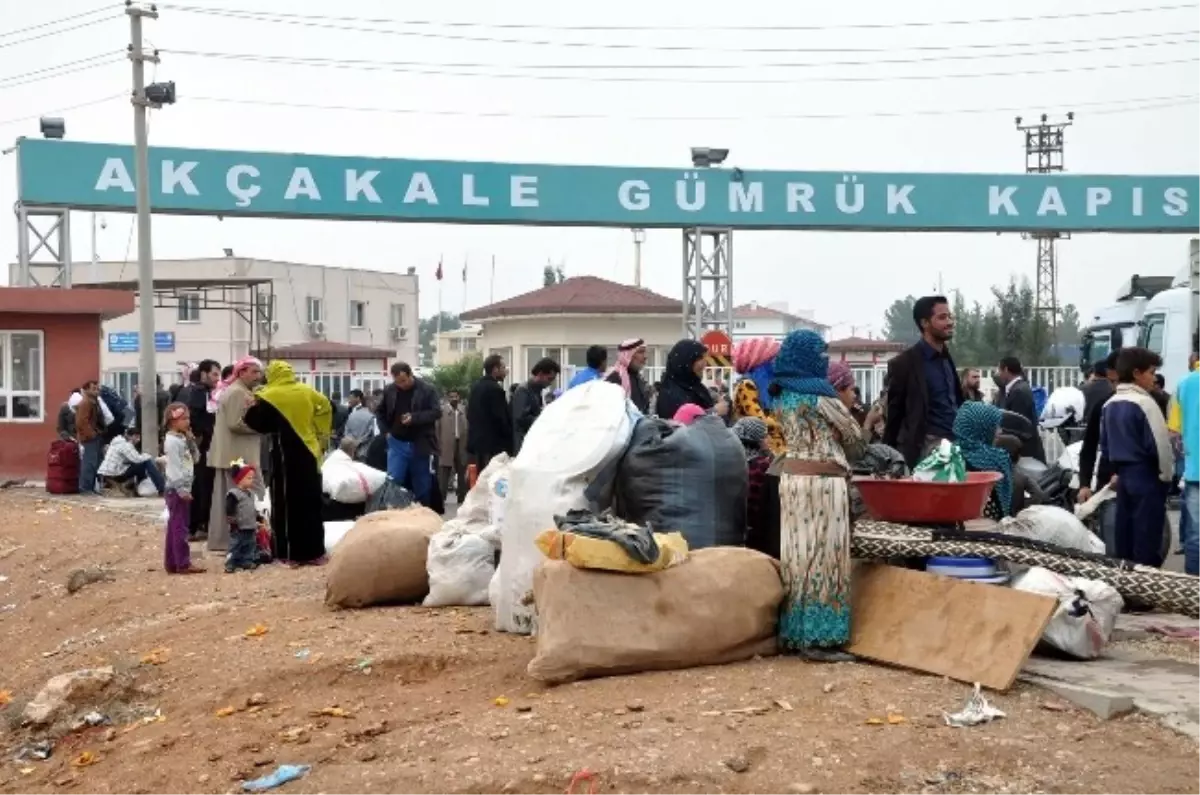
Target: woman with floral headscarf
[(975, 428), (814, 502), (754, 360), (299, 420)]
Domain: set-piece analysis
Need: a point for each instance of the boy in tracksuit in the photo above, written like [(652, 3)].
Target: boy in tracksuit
[(243, 521), (1135, 442)]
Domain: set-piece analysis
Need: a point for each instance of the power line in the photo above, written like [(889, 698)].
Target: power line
[(401, 67), (1101, 108), (50, 33), (88, 104), (52, 72), (372, 26), (1191, 39), (59, 21), (250, 13)]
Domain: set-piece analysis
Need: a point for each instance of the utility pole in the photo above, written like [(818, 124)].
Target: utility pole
[(1044, 155), (146, 359), (639, 237)]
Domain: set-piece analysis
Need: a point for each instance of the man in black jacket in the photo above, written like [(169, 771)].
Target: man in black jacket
[(408, 413), (1092, 465), (527, 400), (1017, 396), (489, 418), (924, 392)]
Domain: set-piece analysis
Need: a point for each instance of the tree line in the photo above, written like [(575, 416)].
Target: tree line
[(1006, 325)]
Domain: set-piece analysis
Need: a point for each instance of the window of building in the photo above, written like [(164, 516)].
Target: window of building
[(266, 308), (316, 309), (397, 316), (470, 343), (21, 376), (358, 314), (577, 357), (739, 324), (534, 355), (189, 308), (456, 343)]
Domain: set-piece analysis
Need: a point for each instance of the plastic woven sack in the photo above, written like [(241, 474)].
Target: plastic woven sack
[(944, 465), (390, 495)]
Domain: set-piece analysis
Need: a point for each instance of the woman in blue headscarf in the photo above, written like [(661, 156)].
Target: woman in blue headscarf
[(821, 439), (975, 428)]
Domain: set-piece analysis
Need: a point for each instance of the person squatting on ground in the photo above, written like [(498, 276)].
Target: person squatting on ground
[(1135, 440), (181, 462), (242, 515)]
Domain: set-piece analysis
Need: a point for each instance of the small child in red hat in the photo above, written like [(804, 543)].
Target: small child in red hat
[(243, 520)]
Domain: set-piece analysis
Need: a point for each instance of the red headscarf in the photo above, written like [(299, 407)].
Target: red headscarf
[(749, 354), (688, 413)]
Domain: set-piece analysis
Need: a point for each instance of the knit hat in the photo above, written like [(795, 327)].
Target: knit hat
[(688, 413), (241, 472), (750, 430), (749, 354), (840, 376)]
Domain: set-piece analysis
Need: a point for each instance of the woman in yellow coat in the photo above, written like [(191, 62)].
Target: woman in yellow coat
[(754, 360)]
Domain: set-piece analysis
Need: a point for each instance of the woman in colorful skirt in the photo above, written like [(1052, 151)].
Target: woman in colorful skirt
[(754, 361), (821, 439)]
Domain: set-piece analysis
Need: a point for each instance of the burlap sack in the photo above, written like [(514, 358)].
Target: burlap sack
[(382, 559), (720, 606)]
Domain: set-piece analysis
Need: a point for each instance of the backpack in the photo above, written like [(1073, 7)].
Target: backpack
[(118, 405)]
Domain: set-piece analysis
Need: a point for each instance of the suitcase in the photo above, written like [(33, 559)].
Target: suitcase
[(62, 468)]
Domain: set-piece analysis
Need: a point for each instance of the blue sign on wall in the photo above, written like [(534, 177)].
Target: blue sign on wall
[(127, 342), (215, 182)]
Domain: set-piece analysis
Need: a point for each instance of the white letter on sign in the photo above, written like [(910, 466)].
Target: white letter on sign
[(1051, 202), (361, 184), (745, 197), (302, 182), (523, 192), (234, 186), (1175, 203), (1097, 198), (634, 194), (115, 175), (897, 199), (420, 189), (469, 197), (1001, 200), (799, 197), (181, 176)]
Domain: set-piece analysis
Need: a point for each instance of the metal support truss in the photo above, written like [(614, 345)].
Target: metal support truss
[(707, 281), (43, 246)]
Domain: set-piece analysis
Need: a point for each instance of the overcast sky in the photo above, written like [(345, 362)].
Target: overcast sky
[(1132, 80)]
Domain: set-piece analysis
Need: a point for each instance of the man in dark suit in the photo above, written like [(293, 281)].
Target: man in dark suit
[(924, 392), (489, 417), (1016, 395)]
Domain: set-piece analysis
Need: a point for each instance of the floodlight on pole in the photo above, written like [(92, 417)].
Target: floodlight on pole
[(704, 156), (53, 127)]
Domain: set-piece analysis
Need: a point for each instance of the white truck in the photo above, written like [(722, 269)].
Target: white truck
[(1117, 326), (1170, 324)]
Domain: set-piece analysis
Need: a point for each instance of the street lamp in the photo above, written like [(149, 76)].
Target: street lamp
[(703, 156), (52, 127)]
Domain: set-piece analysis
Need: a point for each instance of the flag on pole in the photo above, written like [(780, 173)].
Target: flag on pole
[(438, 273)]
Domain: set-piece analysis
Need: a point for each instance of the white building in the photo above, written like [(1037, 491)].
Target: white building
[(452, 346), (772, 320), (223, 308)]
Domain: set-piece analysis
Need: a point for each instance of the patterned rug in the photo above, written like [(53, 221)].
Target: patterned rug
[(1165, 590)]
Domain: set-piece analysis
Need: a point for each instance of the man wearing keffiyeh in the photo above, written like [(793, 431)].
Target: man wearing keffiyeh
[(631, 358)]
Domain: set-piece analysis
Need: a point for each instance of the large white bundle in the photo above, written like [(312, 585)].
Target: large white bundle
[(1087, 611), (573, 441), (348, 481), (460, 565), (1053, 525)]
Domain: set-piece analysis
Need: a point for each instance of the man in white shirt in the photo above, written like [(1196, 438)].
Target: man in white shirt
[(452, 446), (124, 466)]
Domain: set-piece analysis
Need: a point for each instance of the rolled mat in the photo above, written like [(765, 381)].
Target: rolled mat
[(1165, 590)]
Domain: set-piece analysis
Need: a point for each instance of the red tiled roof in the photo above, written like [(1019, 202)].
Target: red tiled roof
[(754, 310), (865, 344), (325, 349), (581, 295)]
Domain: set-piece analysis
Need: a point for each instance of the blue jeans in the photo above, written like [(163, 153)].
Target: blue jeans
[(1189, 527), (89, 464), (143, 470), (408, 469)]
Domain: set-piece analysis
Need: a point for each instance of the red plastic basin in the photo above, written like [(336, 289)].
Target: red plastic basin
[(919, 501)]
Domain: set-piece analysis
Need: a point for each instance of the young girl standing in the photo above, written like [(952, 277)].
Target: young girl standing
[(181, 457)]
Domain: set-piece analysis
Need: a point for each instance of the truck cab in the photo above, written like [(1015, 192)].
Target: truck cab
[(1118, 325), (1169, 329)]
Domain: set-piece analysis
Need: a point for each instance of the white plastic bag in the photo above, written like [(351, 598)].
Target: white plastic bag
[(1087, 611), (146, 488), (348, 481), (334, 531), (1053, 525), (475, 510), (460, 565)]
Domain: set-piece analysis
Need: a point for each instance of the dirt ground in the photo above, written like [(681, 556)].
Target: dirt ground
[(420, 688)]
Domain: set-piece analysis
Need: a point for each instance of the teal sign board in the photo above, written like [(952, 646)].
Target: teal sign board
[(271, 184)]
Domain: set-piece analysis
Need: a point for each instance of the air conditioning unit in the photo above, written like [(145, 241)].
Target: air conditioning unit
[(398, 332), (269, 326), (316, 328), (403, 333)]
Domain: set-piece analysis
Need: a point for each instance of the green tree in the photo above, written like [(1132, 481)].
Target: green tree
[(427, 331), (898, 323), (458, 376), (552, 275), (1069, 326)]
